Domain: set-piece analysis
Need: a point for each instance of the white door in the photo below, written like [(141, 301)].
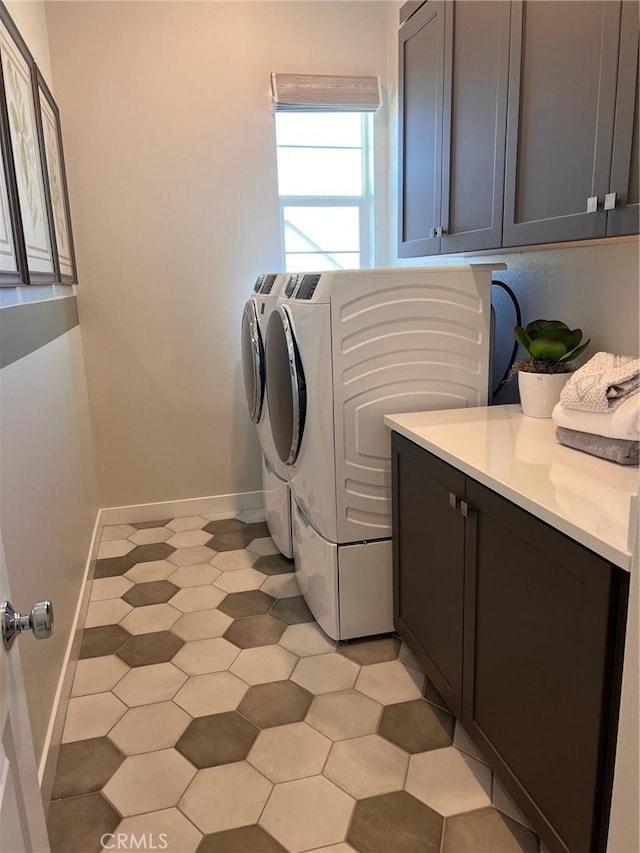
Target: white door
[(22, 822)]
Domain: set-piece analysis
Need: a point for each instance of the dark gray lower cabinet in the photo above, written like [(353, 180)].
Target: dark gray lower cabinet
[(522, 630), (429, 543), (541, 618)]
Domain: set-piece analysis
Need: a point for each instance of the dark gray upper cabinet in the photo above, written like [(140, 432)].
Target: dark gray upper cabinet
[(453, 64), (625, 177), (518, 123), (421, 57), (475, 108), (562, 94)]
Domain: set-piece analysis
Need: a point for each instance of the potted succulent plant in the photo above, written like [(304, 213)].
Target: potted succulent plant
[(552, 346)]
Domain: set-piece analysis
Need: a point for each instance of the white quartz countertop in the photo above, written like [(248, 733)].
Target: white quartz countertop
[(593, 501)]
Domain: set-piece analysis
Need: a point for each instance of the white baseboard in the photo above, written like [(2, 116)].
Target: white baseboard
[(218, 505), (53, 739)]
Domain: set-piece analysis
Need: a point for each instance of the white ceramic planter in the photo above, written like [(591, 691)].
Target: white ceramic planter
[(539, 392)]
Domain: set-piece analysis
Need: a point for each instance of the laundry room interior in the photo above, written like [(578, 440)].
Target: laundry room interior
[(318, 583)]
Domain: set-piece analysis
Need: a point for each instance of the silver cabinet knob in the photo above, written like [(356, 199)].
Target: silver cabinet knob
[(592, 204), (39, 620), (610, 201)]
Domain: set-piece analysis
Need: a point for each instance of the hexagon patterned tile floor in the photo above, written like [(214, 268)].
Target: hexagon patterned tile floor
[(211, 714)]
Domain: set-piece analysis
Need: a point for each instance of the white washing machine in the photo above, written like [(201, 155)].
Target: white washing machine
[(342, 350), (275, 486)]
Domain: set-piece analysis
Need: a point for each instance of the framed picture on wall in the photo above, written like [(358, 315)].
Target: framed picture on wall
[(24, 137), (56, 175), (12, 261)]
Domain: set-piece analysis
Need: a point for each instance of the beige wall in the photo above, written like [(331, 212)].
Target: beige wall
[(171, 160), (30, 19), (48, 501)]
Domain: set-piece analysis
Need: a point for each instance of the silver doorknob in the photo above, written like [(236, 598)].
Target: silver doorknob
[(39, 620)]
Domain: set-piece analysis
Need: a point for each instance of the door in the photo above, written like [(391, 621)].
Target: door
[(287, 398), (454, 67), (562, 89), (22, 822), (252, 348), (625, 172), (475, 117), (421, 59), (428, 564), (543, 648)]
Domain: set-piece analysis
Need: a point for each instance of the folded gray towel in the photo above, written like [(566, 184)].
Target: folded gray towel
[(618, 450)]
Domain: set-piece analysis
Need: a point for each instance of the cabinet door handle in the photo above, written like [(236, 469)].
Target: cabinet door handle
[(465, 509), (432, 233), (453, 500), (610, 201), (592, 204)]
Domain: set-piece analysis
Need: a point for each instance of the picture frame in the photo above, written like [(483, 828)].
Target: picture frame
[(51, 146), (12, 257), (26, 172)]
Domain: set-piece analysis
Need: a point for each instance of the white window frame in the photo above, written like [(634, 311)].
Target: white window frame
[(363, 202)]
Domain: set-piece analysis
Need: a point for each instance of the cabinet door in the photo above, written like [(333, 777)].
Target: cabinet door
[(420, 94), (625, 177), (540, 645), (428, 564), (562, 88), (475, 116)]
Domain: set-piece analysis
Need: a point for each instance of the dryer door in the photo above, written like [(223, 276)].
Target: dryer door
[(287, 388), (253, 361)]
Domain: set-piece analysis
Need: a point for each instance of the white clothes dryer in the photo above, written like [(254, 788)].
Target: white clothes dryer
[(275, 486), (343, 349)]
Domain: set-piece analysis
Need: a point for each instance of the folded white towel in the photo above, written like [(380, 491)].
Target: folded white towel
[(603, 383), (623, 422)]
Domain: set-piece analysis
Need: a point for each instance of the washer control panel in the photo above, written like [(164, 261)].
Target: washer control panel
[(308, 286), (292, 285), (302, 285), (264, 283)]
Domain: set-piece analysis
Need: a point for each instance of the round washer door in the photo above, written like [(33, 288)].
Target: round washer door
[(287, 397), (253, 361)]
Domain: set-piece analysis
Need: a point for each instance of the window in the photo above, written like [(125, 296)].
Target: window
[(325, 189)]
